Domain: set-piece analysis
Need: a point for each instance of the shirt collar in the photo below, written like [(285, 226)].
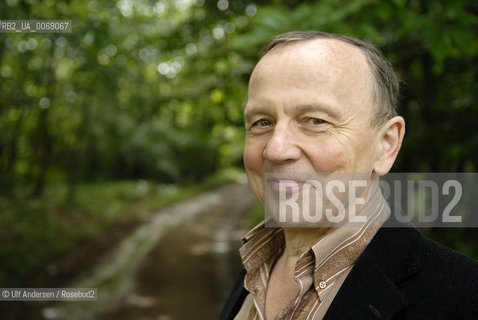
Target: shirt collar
[(333, 254)]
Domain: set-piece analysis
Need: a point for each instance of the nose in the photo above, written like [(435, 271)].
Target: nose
[(281, 147)]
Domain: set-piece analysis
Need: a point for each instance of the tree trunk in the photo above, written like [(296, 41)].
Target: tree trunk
[(45, 139)]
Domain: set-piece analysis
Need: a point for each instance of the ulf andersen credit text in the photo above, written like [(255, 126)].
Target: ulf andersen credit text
[(48, 294)]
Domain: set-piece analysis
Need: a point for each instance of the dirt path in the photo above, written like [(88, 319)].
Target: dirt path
[(180, 265)]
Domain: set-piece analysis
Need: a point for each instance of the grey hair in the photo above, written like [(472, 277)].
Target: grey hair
[(385, 82)]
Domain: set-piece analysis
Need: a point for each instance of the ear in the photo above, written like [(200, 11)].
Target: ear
[(391, 137)]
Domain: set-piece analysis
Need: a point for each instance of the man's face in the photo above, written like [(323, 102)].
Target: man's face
[(309, 110)]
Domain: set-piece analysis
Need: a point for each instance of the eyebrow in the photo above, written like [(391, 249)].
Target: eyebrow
[(299, 109), (249, 114)]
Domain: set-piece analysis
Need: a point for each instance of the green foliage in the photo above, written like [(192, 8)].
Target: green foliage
[(156, 90), (137, 90)]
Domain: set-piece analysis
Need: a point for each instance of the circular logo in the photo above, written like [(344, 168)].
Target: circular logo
[(5, 294)]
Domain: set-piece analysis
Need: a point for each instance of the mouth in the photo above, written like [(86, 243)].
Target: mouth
[(284, 183)]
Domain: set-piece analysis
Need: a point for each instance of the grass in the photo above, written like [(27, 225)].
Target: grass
[(36, 232)]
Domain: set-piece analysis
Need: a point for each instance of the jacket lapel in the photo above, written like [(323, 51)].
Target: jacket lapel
[(370, 291), (236, 298)]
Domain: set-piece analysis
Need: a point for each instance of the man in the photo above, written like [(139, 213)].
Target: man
[(325, 103)]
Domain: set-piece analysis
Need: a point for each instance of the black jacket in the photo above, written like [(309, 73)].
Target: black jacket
[(400, 275)]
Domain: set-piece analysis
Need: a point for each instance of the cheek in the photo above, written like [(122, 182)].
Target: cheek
[(253, 158), (366, 155), (253, 162), (330, 157)]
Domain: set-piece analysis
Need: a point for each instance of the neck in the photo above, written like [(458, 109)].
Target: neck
[(299, 240)]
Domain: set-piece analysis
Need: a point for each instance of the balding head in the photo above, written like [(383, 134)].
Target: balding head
[(385, 84), (316, 69)]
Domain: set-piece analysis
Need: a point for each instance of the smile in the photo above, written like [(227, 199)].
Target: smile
[(277, 184)]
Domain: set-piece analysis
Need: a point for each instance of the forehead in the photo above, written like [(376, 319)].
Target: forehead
[(336, 55), (322, 68)]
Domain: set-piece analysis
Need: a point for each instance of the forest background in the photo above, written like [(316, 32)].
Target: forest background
[(141, 105)]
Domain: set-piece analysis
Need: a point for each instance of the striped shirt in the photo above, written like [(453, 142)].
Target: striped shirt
[(320, 271)]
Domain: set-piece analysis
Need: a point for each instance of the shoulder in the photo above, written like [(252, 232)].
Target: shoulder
[(435, 281), (434, 254), (400, 248), (449, 270), (446, 281)]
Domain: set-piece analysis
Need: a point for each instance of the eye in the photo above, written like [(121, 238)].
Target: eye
[(262, 123), (315, 121), (315, 124)]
